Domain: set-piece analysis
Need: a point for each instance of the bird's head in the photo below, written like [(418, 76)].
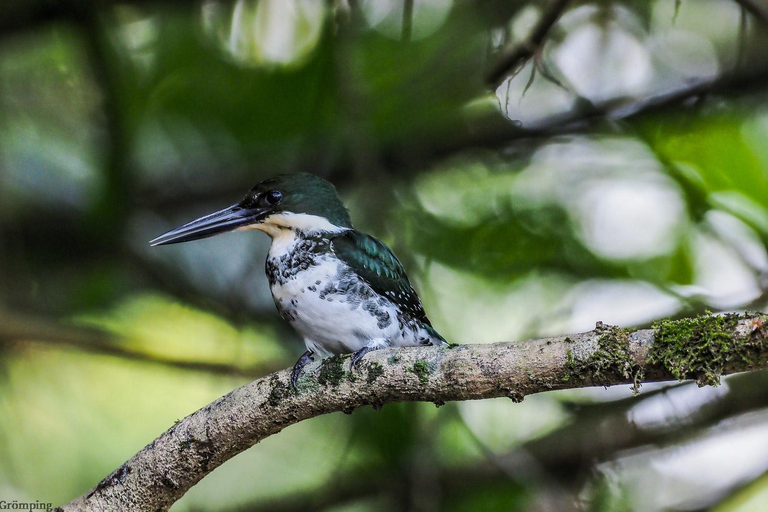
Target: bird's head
[(298, 202)]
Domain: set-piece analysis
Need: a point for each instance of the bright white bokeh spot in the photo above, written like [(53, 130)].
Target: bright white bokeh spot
[(734, 453), (623, 205), (718, 26), (560, 169), (604, 64), (732, 456), (386, 17), (676, 406), (524, 22), (742, 206), (539, 104), (685, 55), (464, 192), (631, 219), (616, 302), (265, 32), (741, 237), (721, 273), (467, 308), (501, 425)]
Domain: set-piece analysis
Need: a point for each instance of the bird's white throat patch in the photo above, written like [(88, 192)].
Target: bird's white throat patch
[(283, 227), (277, 223)]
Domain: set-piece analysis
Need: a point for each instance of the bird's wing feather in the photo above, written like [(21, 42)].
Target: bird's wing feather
[(372, 260)]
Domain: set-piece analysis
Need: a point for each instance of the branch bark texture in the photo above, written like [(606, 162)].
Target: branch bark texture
[(700, 348)]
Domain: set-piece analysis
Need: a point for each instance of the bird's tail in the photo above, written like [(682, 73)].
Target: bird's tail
[(434, 336)]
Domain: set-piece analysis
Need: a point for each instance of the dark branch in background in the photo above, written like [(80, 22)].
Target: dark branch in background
[(107, 69), (514, 55), (163, 471), (20, 15), (407, 30), (488, 130), (491, 131), (601, 430)]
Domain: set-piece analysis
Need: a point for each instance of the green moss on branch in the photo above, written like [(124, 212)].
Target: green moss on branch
[(422, 369), (611, 360), (701, 347), (331, 371), (375, 370)]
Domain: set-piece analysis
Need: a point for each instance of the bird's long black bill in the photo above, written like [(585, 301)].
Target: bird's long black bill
[(222, 221)]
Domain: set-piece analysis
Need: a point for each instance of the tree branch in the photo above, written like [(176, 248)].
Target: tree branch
[(562, 458), (702, 348), (514, 55)]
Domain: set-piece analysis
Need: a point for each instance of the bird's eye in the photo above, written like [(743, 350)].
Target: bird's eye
[(273, 197)]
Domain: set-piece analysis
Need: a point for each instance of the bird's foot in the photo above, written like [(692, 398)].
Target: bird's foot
[(374, 345), (358, 355), (305, 358)]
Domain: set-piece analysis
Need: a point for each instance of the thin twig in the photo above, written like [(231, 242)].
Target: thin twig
[(514, 55)]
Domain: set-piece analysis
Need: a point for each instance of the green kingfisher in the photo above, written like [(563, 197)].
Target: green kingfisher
[(345, 292)]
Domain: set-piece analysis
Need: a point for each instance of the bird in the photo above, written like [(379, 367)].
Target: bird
[(342, 290)]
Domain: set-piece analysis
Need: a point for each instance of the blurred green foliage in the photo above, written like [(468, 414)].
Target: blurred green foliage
[(620, 173)]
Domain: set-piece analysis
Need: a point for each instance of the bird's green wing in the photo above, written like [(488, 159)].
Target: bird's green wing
[(372, 260)]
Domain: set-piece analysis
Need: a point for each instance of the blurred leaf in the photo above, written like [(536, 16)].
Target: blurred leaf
[(386, 436), (68, 419), (501, 497), (510, 244), (434, 77), (749, 498), (712, 151), (188, 76), (163, 327)]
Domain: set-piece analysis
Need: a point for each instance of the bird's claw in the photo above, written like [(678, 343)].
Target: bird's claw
[(357, 356), (305, 358)]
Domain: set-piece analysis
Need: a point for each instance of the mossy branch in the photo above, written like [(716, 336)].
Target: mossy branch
[(702, 348)]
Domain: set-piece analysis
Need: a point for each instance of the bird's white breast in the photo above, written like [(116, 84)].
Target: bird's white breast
[(332, 321), (332, 308)]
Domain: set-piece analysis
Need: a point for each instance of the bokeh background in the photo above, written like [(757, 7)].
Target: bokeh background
[(537, 165)]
